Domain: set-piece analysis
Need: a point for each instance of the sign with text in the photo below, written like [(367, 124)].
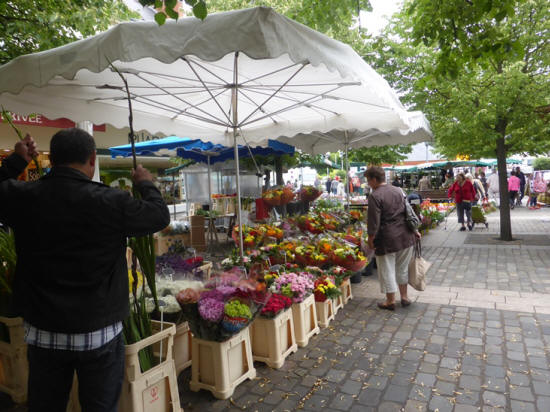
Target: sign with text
[(42, 121)]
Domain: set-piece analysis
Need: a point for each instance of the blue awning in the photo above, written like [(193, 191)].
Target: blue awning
[(197, 150)]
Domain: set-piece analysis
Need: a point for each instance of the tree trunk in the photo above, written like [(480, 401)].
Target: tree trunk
[(505, 221), (279, 170)]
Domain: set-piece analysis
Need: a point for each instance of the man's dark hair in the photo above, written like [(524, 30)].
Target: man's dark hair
[(376, 173), (71, 146)]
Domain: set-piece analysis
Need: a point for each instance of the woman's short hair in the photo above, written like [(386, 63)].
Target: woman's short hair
[(376, 173)]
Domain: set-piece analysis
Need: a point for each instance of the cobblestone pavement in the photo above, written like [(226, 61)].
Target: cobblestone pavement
[(477, 339)]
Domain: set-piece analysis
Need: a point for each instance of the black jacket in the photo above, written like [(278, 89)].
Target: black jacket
[(70, 235)]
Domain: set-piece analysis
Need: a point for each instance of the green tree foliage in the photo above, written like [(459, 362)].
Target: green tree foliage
[(480, 72), (29, 25), (541, 163), (335, 18), (375, 156)]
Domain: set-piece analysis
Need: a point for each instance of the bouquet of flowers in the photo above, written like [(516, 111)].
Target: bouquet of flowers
[(339, 274), (228, 303), (271, 231), (309, 193), (252, 236), (356, 215), (293, 285), (309, 223), (278, 196), (309, 255), (349, 258), (325, 288), (276, 304)]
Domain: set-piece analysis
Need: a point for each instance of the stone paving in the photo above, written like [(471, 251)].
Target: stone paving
[(478, 338)]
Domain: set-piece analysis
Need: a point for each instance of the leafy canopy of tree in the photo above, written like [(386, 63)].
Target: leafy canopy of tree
[(479, 70), (375, 156), (541, 163), (29, 26)]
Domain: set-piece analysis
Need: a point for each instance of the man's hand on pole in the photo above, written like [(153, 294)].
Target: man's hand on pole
[(26, 148), (141, 174)]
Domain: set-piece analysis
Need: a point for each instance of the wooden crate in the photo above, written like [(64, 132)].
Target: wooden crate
[(273, 339), (325, 312), (198, 238), (221, 366), (14, 367), (163, 243), (155, 390), (345, 287), (305, 320)]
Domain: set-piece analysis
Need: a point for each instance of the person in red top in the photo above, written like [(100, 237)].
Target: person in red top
[(514, 185), (464, 194)]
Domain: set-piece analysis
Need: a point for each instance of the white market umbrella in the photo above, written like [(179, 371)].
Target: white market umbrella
[(252, 74)]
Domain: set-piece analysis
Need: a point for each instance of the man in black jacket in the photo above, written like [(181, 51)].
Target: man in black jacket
[(71, 280)]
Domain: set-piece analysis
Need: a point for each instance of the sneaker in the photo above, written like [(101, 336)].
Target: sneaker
[(470, 227), (462, 229)]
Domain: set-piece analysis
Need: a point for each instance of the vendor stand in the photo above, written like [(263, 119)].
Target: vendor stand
[(210, 80)]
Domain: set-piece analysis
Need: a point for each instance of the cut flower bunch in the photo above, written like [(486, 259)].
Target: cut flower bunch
[(223, 306)]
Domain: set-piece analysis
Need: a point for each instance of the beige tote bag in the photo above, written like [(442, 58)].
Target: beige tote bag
[(418, 267)]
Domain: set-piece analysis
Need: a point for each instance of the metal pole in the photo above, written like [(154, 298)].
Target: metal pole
[(347, 170), (209, 186), (234, 100), (174, 192), (187, 207)]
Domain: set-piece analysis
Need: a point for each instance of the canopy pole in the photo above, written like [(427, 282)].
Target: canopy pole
[(209, 186), (174, 192), (187, 207), (347, 170), (234, 100)]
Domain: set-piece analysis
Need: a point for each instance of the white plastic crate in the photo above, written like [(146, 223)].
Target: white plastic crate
[(305, 320), (14, 367), (345, 287), (182, 347), (273, 339), (325, 312), (220, 367), (155, 390)]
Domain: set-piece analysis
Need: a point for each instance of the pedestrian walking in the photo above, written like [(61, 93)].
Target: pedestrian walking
[(514, 185), (71, 279), (390, 237), (492, 187), (522, 181), (478, 188), (334, 186), (328, 184), (464, 194), (531, 192)]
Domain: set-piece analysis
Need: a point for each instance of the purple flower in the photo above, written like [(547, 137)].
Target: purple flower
[(226, 290), (212, 294), (211, 309)]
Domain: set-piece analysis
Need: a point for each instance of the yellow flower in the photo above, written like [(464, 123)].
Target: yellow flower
[(131, 280)]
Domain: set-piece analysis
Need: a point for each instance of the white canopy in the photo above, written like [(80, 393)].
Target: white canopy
[(187, 77)]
